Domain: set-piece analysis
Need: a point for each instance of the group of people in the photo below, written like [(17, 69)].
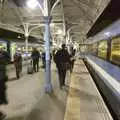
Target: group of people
[(63, 59), (4, 60), (35, 56)]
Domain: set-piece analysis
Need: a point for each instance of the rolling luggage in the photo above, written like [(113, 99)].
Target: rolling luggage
[(30, 68)]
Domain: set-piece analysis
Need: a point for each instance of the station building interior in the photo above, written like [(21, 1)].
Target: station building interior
[(92, 28)]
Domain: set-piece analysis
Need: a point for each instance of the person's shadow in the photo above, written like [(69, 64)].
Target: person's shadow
[(48, 107)]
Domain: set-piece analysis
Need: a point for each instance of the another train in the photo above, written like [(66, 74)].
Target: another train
[(12, 45), (108, 50)]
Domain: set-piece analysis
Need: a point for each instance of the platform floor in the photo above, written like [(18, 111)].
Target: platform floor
[(28, 101), (84, 101)]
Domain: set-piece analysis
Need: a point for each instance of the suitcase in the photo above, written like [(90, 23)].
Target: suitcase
[(30, 69)]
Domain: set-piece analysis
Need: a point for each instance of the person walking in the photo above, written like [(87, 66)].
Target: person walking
[(4, 59), (44, 59), (72, 59), (62, 60), (18, 62), (35, 57)]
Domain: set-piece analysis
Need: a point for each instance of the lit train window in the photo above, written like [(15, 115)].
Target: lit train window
[(115, 54), (102, 49)]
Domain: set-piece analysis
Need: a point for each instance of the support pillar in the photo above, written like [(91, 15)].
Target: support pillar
[(48, 85), (26, 45), (26, 39)]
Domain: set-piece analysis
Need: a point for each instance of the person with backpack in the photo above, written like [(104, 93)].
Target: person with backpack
[(18, 62), (62, 60), (44, 59), (35, 58)]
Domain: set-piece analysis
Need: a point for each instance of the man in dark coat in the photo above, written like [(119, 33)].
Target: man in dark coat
[(4, 59), (44, 59), (35, 57), (62, 60), (18, 62)]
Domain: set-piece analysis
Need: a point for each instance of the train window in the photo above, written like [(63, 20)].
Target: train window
[(115, 54), (102, 49), (3, 45)]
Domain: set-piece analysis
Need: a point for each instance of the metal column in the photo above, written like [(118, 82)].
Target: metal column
[(48, 85), (26, 44), (26, 38)]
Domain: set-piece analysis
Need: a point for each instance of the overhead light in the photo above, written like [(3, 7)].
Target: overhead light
[(32, 3), (59, 31), (107, 33), (18, 36), (52, 24)]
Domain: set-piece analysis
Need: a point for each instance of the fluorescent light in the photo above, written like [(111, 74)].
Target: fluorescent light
[(32, 3)]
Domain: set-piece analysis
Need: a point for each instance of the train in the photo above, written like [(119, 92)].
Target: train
[(108, 49), (11, 46), (103, 62)]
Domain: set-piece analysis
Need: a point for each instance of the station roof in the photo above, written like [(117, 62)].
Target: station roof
[(75, 16), (108, 17), (15, 36)]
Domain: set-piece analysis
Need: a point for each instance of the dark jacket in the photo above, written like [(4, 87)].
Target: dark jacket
[(17, 58), (62, 56), (44, 56), (35, 55), (4, 59), (72, 55)]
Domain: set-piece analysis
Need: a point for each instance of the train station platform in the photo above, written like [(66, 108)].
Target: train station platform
[(80, 101)]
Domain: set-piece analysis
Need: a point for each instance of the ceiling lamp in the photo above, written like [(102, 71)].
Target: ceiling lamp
[(18, 36), (59, 31), (32, 3), (107, 34)]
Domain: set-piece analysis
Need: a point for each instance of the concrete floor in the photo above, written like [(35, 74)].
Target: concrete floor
[(28, 101), (84, 100)]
